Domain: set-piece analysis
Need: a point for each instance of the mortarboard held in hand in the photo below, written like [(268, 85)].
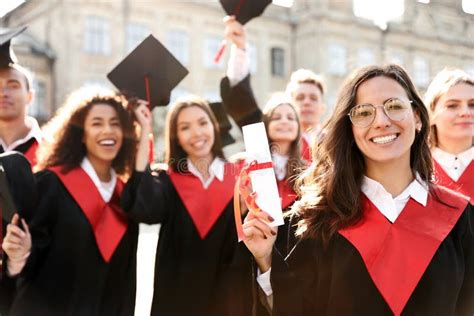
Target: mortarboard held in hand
[(7, 56), (150, 72), (224, 123), (244, 11)]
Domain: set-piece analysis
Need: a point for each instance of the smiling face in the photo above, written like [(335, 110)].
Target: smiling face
[(385, 140), (14, 94), (103, 135), (454, 115), (283, 124), (195, 132)]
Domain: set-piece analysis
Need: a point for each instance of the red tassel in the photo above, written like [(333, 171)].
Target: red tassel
[(220, 52)]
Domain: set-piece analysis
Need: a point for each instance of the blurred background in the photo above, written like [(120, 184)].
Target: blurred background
[(70, 43)]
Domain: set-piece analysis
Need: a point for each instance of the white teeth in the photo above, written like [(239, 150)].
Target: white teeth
[(199, 143), (107, 142), (384, 139)]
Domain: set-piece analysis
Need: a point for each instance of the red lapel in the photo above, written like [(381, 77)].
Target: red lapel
[(305, 150), (205, 206), (396, 255), (465, 183), (30, 154), (107, 220), (287, 194)]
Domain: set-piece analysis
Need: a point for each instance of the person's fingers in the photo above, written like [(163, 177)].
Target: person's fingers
[(253, 232), (15, 219), (229, 19), (9, 247), (17, 240), (26, 228), (13, 229), (260, 225)]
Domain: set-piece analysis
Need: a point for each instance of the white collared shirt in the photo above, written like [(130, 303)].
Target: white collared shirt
[(216, 170), (106, 189), (35, 132), (453, 165), (389, 206), (279, 165), (238, 66)]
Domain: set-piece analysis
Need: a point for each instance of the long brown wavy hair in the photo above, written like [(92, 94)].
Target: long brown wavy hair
[(175, 156), (65, 147), (295, 164), (330, 188)]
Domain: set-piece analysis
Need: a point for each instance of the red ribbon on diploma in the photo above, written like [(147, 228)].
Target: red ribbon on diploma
[(241, 189)]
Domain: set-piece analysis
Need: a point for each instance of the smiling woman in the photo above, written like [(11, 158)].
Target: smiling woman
[(83, 253)]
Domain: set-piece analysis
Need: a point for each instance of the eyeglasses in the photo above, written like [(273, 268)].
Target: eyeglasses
[(363, 115)]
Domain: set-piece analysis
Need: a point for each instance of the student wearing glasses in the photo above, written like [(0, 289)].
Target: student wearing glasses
[(375, 235), (450, 102)]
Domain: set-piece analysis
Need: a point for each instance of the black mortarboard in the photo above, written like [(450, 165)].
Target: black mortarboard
[(149, 72), (7, 56), (245, 10), (17, 186), (224, 123)]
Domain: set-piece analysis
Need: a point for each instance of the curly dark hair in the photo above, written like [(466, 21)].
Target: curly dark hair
[(330, 188), (66, 129)]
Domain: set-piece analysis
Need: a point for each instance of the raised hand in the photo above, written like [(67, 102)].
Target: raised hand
[(144, 118), (17, 245), (234, 32)]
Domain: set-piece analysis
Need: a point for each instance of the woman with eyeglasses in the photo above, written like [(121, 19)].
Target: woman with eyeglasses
[(450, 102), (375, 235)]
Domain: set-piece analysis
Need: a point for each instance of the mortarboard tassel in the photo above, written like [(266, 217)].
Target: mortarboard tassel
[(151, 141), (223, 44)]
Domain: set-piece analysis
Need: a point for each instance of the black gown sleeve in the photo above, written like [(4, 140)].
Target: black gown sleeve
[(465, 304), (43, 220), (239, 102), (148, 196)]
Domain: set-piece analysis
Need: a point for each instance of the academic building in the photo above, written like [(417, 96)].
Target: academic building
[(70, 43)]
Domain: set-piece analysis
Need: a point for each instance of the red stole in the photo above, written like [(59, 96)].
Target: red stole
[(205, 206), (465, 183), (30, 154), (305, 150), (286, 192), (396, 255), (107, 219)]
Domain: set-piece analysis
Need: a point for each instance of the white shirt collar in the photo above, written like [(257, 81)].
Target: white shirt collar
[(35, 132), (216, 170), (106, 189), (391, 207), (279, 165), (453, 165)]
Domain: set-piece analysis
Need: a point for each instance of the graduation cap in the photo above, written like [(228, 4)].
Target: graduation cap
[(224, 123), (149, 72), (7, 56), (244, 11)]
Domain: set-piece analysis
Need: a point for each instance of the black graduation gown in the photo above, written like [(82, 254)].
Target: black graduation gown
[(335, 281), (21, 184), (65, 273), (28, 149), (191, 273)]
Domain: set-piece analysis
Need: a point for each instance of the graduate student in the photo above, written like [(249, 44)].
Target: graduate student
[(305, 88), (18, 131), (193, 201), (82, 260), (375, 236), (450, 102)]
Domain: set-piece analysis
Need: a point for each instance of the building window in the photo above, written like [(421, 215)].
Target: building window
[(469, 69), (135, 34), (337, 59), (278, 62), (211, 46), (468, 6), (178, 43), (97, 36), (421, 71), (365, 57), (253, 57), (39, 101)]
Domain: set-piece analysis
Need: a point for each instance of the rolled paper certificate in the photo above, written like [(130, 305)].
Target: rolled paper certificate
[(262, 178)]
